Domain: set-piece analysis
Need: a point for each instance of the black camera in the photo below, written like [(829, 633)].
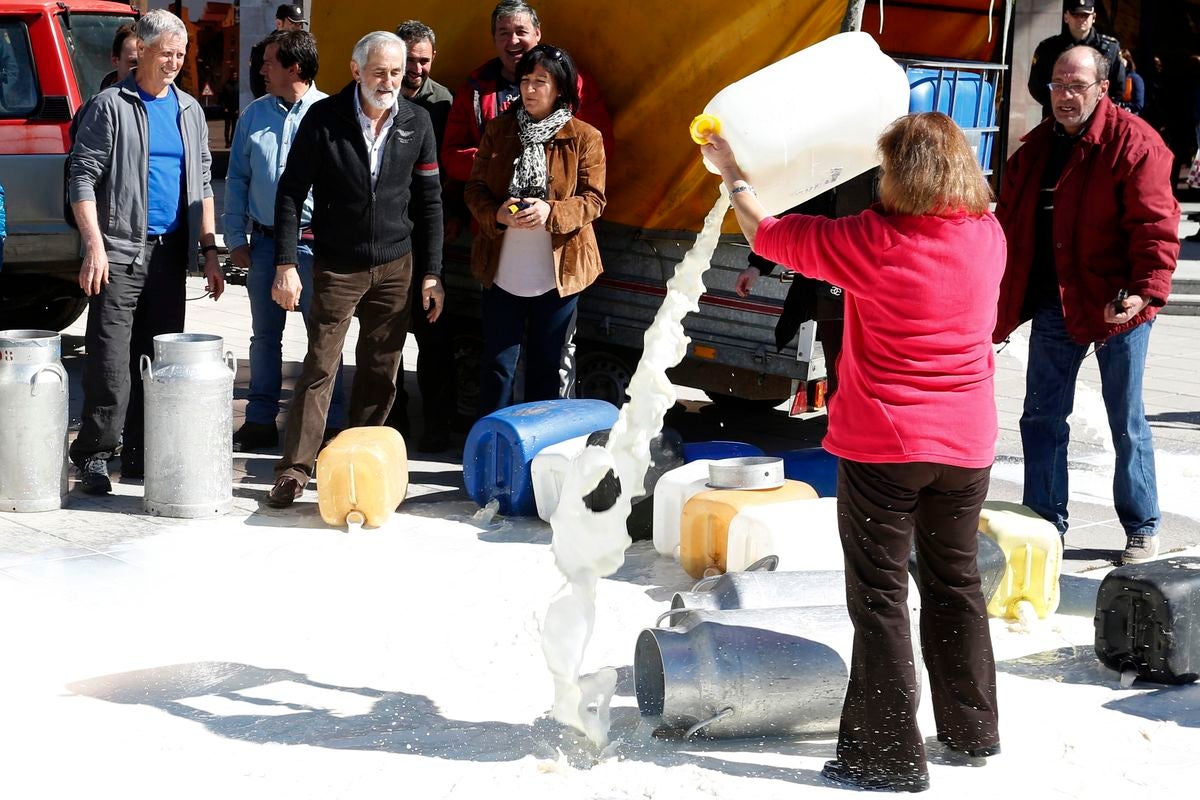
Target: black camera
[(234, 275)]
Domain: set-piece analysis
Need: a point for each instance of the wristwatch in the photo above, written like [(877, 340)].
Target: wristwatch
[(206, 249)]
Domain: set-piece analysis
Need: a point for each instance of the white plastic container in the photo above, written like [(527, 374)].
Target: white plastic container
[(547, 471), (809, 122), (671, 493), (802, 533)]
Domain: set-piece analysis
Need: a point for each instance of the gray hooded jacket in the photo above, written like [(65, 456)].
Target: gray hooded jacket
[(110, 163)]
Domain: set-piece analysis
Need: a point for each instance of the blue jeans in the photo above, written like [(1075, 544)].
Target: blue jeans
[(544, 323), (1054, 361), (266, 342)]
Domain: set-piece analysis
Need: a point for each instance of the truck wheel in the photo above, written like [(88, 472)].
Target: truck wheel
[(44, 305), (603, 375)]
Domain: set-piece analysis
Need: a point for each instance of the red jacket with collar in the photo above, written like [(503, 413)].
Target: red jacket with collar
[(1116, 222), (475, 104), (915, 377)]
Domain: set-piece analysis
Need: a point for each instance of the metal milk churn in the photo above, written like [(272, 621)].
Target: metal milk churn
[(33, 421), (189, 426)]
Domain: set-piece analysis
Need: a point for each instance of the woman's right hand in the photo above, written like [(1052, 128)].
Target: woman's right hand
[(720, 155), (506, 217)]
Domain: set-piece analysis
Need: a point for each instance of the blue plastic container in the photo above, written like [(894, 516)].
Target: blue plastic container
[(967, 97), (813, 465), (694, 451), (501, 446)]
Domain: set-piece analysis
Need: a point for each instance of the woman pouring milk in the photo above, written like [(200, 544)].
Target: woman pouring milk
[(914, 423)]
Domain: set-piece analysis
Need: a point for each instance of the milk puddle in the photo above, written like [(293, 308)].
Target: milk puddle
[(590, 545)]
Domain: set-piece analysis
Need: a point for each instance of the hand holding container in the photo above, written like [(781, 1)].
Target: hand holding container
[(810, 121)]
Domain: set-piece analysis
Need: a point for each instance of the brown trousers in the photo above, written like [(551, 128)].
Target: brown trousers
[(881, 507), (380, 295)]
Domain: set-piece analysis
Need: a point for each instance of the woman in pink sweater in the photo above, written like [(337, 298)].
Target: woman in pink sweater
[(914, 422)]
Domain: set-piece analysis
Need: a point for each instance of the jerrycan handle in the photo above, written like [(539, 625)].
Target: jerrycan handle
[(58, 371), (703, 126), (146, 368)]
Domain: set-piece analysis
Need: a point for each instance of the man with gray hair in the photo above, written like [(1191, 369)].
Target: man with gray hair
[(141, 194), (370, 159)]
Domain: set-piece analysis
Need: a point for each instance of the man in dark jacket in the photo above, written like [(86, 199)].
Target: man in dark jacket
[(370, 158), (1092, 229), (1079, 27)]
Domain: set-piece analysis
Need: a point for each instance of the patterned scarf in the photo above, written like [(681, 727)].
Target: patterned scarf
[(529, 172)]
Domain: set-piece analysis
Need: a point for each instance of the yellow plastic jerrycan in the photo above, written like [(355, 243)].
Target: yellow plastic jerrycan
[(704, 528), (362, 476), (1034, 554), (841, 94)]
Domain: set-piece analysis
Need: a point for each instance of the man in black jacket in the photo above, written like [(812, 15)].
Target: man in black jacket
[(370, 159), (1079, 27)]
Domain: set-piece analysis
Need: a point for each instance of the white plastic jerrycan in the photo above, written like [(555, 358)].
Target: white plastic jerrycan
[(809, 122)]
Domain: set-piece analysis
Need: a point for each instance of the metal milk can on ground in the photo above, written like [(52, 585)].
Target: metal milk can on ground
[(33, 421), (189, 426)]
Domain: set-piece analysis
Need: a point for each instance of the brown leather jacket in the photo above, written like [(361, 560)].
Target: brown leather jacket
[(575, 161)]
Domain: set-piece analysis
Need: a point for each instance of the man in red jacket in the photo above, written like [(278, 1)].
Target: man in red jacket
[(1093, 236), (491, 89)]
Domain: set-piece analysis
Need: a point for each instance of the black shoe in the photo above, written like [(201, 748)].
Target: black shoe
[(133, 464), (253, 437), (433, 441), (974, 752), (330, 435), (93, 475), (285, 492), (841, 774)]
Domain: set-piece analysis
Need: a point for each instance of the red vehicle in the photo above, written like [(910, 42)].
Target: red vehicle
[(53, 56)]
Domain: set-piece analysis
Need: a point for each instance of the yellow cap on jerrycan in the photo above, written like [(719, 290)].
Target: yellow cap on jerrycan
[(1033, 552), (796, 130), (362, 476), (703, 126)]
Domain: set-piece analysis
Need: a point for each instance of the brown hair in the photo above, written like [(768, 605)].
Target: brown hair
[(928, 168)]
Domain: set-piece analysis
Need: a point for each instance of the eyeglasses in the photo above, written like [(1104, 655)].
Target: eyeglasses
[(1071, 88)]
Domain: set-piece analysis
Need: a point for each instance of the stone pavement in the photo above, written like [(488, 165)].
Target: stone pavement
[(98, 527)]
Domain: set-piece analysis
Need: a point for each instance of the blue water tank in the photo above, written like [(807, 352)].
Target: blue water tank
[(815, 466), (694, 451), (965, 96), (501, 446)]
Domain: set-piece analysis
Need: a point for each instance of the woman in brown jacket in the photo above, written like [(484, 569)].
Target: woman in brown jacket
[(536, 186)]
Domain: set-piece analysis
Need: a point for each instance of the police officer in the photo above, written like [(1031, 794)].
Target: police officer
[(1079, 17)]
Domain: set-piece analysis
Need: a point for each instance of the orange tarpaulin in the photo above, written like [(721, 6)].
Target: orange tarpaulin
[(657, 65)]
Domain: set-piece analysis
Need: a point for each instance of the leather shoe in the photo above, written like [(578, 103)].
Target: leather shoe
[(253, 437), (974, 752), (839, 773), (285, 492)]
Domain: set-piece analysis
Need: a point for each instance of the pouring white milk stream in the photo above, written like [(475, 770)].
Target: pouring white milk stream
[(589, 545)]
